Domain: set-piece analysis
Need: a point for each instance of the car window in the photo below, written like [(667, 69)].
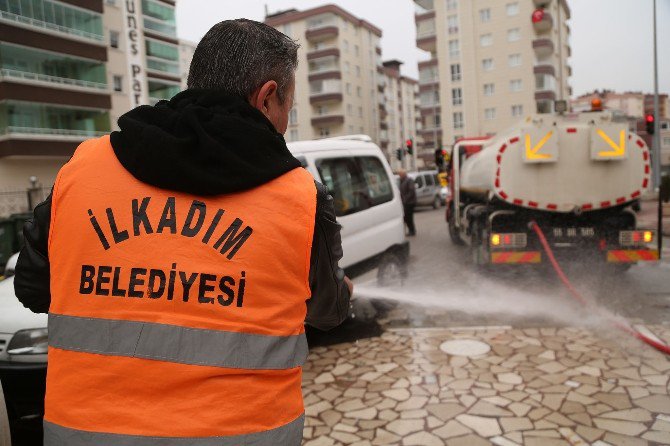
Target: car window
[(378, 183), (346, 184), (355, 183), (429, 180), (419, 182)]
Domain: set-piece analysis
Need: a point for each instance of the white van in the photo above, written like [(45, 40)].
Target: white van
[(367, 201)]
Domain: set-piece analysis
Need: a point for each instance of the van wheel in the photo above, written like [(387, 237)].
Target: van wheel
[(391, 271), (437, 202)]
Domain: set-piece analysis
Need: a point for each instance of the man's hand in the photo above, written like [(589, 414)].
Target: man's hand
[(350, 285)]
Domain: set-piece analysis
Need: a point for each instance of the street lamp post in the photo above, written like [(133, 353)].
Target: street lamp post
[(657, 133)]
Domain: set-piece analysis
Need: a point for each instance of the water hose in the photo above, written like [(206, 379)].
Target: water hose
[(573, 291)]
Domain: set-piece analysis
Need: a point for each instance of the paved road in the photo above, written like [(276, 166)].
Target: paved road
[(445, 289)]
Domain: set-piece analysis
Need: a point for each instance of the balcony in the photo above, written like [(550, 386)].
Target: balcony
[(331, 92), (328, 120), (160, 27), (543, 48), (323, 52), (426, 5), (40, 133), (545, 24), (544, 68), (163, 66), (60, 19), (427, 42), (324, 75), (27, 77), (545, 95), (319, 34)]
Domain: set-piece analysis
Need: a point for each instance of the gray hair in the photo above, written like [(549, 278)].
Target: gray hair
[(239, 56)]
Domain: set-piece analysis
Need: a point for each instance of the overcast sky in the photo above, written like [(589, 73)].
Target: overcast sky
[(611, 39)]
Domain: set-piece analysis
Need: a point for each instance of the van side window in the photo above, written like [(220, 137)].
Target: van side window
[(355, 183), (429, 180), (419, 182), (379, 185)]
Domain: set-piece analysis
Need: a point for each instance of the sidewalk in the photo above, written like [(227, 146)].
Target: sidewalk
[(546, 386)]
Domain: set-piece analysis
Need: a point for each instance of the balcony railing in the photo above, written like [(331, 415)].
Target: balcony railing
[(8, 16), (6, 73), (160, 27), (156, 64), (12, 130)]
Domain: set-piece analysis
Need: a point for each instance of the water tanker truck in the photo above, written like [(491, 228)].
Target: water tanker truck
[(578, 177)]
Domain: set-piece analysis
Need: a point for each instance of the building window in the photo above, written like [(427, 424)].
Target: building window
[(293, 116), (456, 96), (110, 2), (544, 106), (351, 129), (545, 82), (452, 4), (348, 88), (486, 39), (513, 34), (360, 112), (666, 141), (487, 64), (359, 92), (346, 46), (485, 15), (358, 71), (118, 83), (324, 131), (357, 50), (114, 39), (514, 60), (294, 135), (515, 85), (517, 110), (455, 72), (286, 29), (350, 109), (346, 67), (454, 49), (458, 120), (452, 24), (489, 89), (512, 9), (489, 114)]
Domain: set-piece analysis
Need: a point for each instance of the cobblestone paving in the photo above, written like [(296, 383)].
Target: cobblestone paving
[(544, 386)]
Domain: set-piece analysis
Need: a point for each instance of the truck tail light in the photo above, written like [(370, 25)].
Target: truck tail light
[(636, 238), (509, 240)]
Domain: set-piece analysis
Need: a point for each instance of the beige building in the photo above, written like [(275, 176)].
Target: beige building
[(69, 69), (400, 118), (338, 76), (629, 103), (491, 63)]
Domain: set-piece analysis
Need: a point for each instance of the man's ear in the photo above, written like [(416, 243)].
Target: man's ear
[(263, 95)]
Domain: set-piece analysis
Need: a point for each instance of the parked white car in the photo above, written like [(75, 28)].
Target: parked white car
[(366, 197), (23, 356), (427, 188), (10, 267)]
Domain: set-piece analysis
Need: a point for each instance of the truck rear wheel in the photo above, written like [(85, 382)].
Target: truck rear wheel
[(453, 230)]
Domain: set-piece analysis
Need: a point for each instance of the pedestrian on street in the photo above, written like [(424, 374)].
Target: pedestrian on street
[(408, 197), (179, 259)]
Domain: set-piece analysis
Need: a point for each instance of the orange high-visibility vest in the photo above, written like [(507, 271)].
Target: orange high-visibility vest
[(175, 319)]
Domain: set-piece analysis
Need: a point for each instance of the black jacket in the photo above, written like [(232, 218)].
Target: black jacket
[(202, 143)]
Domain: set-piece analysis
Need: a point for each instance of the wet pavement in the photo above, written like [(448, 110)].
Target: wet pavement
[(548, 372)]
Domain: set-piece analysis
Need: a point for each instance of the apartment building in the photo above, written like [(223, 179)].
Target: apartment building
[(70, 68), (491, 63), (338, 73), (400, 118), (54, 92), (144, 53), (186, 50)]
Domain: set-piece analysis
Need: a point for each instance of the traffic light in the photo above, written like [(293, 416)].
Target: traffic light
[(409, 144), (649, 121), (398, 154), (439, 158)]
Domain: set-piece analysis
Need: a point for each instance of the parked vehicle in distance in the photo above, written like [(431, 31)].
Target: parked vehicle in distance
[(23, 358), (428, 188), (10, 267), (367, 201)]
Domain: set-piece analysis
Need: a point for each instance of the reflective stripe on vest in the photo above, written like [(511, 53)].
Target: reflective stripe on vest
[(176, 344), (289, 434)]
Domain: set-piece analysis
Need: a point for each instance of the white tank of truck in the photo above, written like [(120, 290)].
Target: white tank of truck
[(560, 163)]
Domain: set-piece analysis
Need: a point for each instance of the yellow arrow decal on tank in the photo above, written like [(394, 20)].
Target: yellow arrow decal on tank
[(619, 150), (531, 152)]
